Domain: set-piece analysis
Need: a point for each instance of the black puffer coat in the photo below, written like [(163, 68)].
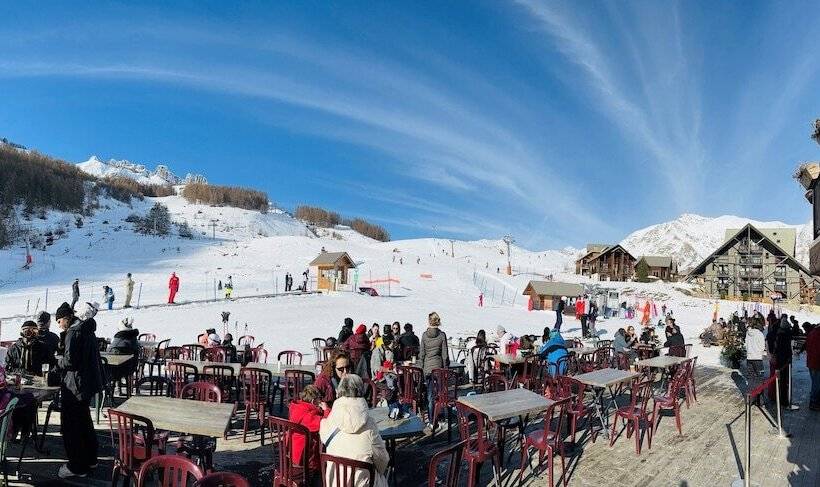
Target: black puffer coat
[(80, 364)]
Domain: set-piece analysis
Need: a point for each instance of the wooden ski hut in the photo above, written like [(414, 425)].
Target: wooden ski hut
[(545, 294), (331, 269)]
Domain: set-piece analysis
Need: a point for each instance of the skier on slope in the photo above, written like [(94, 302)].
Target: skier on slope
[(75, 292), (129, 290), (228, 287), (173, 287)]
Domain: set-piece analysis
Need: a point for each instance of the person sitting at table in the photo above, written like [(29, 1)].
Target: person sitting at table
[(308, 411), (350, 432), (481, 339), (408, 341), (475, 353), (202, 339), (332, 372), (51, 339), (125, 340), (504, 338), (620, 344), (675, 340), (230, 348), (648, 337), (25, 413), (379, 354), (29, 352), (630, 336), (554, 349)]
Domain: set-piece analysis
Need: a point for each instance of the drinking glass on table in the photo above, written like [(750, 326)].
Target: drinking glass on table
[(45, 370)]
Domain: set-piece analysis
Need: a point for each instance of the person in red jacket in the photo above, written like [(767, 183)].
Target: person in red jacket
[(308, 411), (334, 369), (813, 363), (173, 287)]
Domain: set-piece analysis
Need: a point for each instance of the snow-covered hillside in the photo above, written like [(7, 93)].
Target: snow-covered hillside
[(161, 175), (691, 238)]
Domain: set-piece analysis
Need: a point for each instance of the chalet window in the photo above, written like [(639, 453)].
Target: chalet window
[(780, 271)]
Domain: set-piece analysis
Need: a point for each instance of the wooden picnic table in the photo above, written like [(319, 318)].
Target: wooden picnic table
[(182, 415), (602, 380), (274, 369), (498, 406)]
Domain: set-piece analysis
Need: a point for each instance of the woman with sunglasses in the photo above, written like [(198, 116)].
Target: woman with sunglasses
[(332, 373)]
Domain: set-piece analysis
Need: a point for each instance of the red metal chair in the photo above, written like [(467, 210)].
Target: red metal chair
[(548, 440), (201, 391), (195, 445), (410, 381), (531, 373), (445, 387), (292, 357), (177, 353), (452, 457), (604, 357), (222, 479), (670, 401), (215, 354), (603, 344), (246, 340), (677, 351), (577, 409), (577, 343), (180, 374), (295, 382), (195, 350), (147, 337), (259, 355), (689, 383), (635, 412), (327, 353), (344, 472), (478, 447), (290, 471), (174, 471), (223, 376), (157, 386), (256, 384), (622, 361), (133, 434)]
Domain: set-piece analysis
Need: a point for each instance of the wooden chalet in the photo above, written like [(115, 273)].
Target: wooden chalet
[(583, 266), (614, 263), (331, 269), (755, 264), (546, 294), (662, 267)]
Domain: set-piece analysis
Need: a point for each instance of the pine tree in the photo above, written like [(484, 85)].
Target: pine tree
[(642, 271)]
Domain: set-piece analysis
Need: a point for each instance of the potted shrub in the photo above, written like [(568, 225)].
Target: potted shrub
[(733, 351)]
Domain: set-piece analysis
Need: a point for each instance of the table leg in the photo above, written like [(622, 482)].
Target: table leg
[(391, 451), (599, 400)]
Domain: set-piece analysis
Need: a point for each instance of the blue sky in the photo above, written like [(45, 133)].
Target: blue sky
[(559, 123)]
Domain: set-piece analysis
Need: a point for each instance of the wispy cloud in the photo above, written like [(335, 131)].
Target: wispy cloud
[(663, 116)]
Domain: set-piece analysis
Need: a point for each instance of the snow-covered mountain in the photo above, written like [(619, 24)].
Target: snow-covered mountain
[(161, 175), (691, 238)]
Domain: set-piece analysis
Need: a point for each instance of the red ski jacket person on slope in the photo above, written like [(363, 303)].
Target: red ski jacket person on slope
[(173, 287)]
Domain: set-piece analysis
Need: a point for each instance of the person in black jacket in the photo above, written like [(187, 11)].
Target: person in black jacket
[(29, 352), (50, 338), (408, 338), (81, 381), (346, 331), (783, 358)]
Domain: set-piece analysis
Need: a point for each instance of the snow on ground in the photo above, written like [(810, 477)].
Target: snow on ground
[(258, 249)]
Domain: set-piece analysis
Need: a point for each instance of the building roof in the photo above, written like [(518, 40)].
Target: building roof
[(766, 241), (593, 247), (612, 249), (332, 259), (785, 238), (657, 260), (552, 288)]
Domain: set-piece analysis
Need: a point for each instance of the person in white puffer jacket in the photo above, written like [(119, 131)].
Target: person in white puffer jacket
[(350, 432), (755, 344)]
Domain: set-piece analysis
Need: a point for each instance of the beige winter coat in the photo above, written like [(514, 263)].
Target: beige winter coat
[(358, 439)]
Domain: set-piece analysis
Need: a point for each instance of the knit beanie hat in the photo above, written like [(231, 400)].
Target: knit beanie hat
[(63, 311), (43, 317), (361, 329)]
